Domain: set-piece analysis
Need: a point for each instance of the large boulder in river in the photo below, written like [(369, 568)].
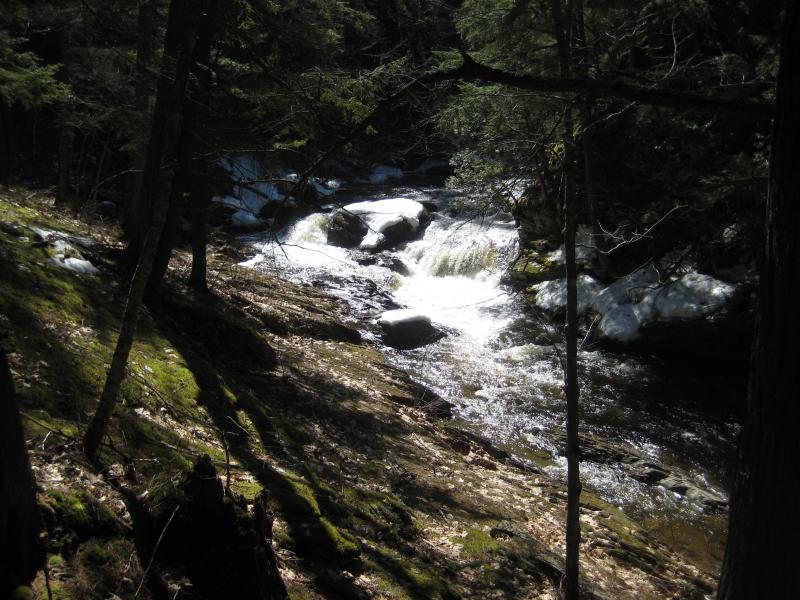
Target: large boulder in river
[(384, 223), (346, 229), (406, 329)]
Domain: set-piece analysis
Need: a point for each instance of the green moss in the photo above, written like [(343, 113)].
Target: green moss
[(302, 501), (23, 592), (81, 513), (533, 267), (477, 544), (248, 489), (345, 544), (403, 578)]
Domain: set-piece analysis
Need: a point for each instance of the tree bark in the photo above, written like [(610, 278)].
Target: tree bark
[(6, 146), (195, 117), (760, 558), (162, 150), (562, 22), (66, 141), (20, 549), (201, 197), (145, 59), (161, 155)]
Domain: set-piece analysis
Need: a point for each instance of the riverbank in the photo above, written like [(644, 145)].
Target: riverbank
[(375, 495)]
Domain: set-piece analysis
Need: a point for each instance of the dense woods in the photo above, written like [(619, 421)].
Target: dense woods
[(363, 299)]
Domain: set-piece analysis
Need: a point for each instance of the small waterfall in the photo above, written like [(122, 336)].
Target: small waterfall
[(467, 248), (455, 275), (310, 230)]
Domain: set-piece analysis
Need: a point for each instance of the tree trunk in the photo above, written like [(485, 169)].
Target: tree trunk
[(195, 116), (177, 189), (66, 141), (760, 560), (6, 151), (563, 32), (201, 191), (145, 59), (161, 154), (20, 549), (200, 199)]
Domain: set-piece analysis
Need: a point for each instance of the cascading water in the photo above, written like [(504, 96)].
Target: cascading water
[(501, 371)]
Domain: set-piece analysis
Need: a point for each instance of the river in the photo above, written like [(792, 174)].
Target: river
[(499, 364)]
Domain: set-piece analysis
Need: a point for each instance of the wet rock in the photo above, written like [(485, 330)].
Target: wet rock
[(406, 329), (430, 206), (346, 229), (392, 263), (533, 267)]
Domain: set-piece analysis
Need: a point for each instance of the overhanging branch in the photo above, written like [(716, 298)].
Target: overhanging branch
[(471, 70)]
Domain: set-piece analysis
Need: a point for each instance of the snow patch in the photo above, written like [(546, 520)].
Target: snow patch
[(77, 265), (638, 299), (324, 189), (252, 191), (243, 218), (379, 215), (551, 296), (694, 295), (585, 249), (67, 255), (382, 173), (60, 237)]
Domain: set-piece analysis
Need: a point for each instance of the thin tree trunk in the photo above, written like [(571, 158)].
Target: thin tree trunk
[(200, 200), (562, 22), (66, 141), (100, 164), (571, 387), (760, 558), (145, 59), (6, 152), (76, 197), (161, 154), (201, 191), (176, 201)]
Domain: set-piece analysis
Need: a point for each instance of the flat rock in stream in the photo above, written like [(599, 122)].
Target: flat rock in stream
[(406, 329)]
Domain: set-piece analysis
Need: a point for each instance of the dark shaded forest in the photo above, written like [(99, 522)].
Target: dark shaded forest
[(361, 299)]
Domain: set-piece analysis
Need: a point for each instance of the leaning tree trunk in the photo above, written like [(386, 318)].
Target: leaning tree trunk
[(161, 154), (20, 548), (760, 558)]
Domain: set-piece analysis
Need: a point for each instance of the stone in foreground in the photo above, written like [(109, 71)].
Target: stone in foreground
[(406, 329)]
